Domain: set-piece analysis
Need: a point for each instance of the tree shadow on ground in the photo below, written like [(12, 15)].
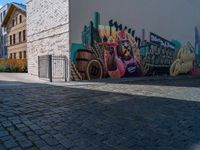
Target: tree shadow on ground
[(91, 119)]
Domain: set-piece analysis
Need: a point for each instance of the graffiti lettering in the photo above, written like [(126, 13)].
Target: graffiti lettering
[(161, 41)]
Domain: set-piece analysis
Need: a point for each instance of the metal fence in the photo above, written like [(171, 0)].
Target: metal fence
[(52, 67)]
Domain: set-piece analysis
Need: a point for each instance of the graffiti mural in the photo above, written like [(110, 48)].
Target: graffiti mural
[(115, 51), (157, 55), (121, 57), (184, 62)]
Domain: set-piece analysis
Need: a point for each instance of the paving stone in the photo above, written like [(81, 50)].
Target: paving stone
[(16, 133), (10, 129), (29, 133), (10, 144), (1, 147), (6, 138), (27, 122), (50, 140), (21, 138), (39, 132), (66, 143), (46, 148), (34, 127), (40, 143), (20, 125), (33, 148), (16, 121), (25, 144), (16, 148), (3, 133), (147, 115), (24, 129), (59, 147), (34, 137), (6, 124)]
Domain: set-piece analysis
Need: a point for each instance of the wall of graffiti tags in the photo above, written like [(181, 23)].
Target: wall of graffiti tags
[(115, 50)]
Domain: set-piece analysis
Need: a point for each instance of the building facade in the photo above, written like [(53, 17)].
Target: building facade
[(47, 30), (139, 40), (3, 33), (15, 24)]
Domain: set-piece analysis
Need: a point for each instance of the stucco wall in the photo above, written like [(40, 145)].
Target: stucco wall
[(47, 30)]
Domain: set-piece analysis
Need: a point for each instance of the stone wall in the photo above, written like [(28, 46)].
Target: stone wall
[(47, 30)]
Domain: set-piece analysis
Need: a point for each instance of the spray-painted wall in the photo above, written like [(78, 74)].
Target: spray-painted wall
[(133, 37)]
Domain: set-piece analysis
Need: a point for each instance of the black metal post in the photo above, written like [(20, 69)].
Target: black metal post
[(50, 67), (65, 67), (39, 66)]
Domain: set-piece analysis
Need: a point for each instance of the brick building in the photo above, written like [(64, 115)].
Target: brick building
[(48, 30)]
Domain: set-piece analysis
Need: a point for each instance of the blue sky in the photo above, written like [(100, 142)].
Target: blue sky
[(3, 2)]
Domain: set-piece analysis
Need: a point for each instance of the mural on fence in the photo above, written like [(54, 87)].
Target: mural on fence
[(115, 51)]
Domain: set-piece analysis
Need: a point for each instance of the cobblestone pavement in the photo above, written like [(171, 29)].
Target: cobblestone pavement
[(135, 115)]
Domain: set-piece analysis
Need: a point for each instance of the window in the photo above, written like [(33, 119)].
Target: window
[(4, 39), (13, 23), (10, 55), (16, 19), (24, 54), (5, 51), (20, 18), (13, 38), (10, 39), (4, 13), (24, 35), (20, 37), (20, 55), (1, 17), (14, 55)]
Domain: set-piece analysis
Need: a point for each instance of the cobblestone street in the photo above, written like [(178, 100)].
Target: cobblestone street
[(135, 115)]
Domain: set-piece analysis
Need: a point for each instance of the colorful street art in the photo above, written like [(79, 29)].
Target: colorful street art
[(115, 51), (158, 56), (184, 62)]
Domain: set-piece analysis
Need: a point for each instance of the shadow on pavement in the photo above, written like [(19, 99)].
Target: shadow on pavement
[(90, 119), (179, 81)]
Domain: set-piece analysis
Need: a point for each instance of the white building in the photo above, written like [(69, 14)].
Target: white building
[(47, 30)]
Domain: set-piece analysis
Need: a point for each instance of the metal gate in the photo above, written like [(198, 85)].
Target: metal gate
[(52, 67)]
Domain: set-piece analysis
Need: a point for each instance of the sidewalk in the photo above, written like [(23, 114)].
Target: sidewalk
[(26, 78), (20, 77)]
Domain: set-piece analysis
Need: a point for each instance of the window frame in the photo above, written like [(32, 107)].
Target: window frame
[(20, 37), (14, 39), (11, 40), (24, 35), (20, 18)]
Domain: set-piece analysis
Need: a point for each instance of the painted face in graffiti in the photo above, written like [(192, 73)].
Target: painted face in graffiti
[(125, 50)]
